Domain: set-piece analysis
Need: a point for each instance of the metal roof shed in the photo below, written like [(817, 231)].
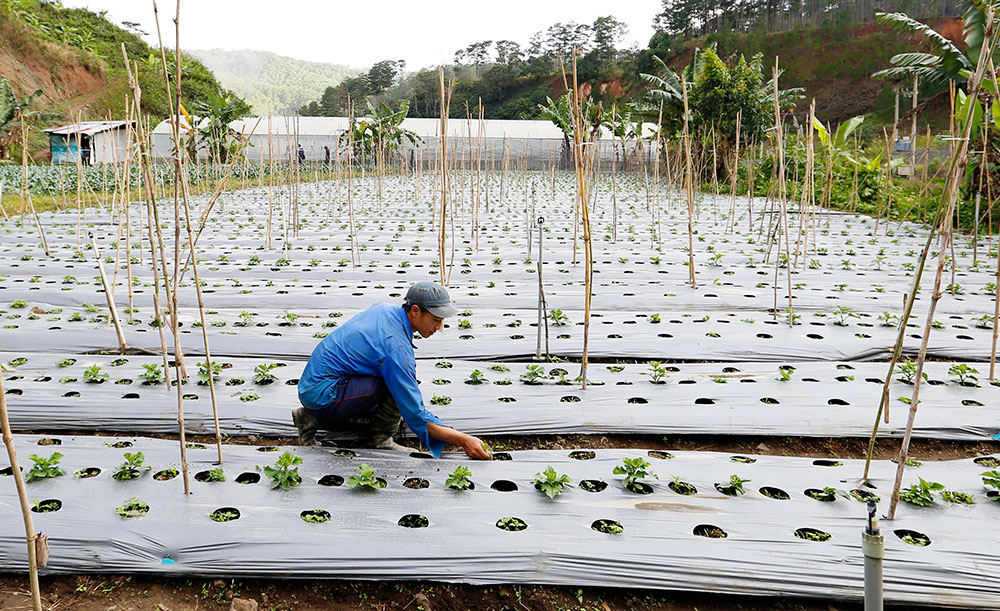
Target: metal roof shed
[(97, 141)]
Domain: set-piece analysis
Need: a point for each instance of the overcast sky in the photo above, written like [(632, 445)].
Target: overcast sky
[(359, 34)]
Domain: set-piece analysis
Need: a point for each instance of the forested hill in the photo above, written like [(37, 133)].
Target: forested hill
[(263, 78), (833, 62)]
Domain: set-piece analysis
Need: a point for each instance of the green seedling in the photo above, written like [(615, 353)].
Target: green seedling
[(364, 478), (289, 318), (550, 482), (634, 469), (785, 374), (131, 468), (44, 468), (656, 372), (557, 318), (459, 479), (132, 508), (476, 377), (223, 515), (93, 375), (285, 473), (954, 496), (499, 367), (215, 475), (921, 494), (734, 487), (204, 375), (65, 362), (966, 375), (533, 374), (262, 373), (908, 370), (992, 479)]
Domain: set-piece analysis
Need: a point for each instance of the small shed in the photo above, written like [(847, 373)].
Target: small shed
[(92, 142)]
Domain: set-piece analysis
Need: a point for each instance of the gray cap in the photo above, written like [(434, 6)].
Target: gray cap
[(433, 297)]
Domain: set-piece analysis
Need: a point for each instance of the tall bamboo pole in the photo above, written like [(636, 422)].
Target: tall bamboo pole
[(581, 187), (688, 183), (958, 165), (30, 537)]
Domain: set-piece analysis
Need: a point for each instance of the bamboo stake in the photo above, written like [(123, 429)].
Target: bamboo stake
[(122, 346), (782, 196), (587, 245), (172, 293), (688, 184), (36, 542)]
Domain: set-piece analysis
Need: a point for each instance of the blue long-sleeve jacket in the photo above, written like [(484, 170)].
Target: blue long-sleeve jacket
[(376, 342)]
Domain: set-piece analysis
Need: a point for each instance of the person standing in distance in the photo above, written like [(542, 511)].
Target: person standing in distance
[(364, 374)]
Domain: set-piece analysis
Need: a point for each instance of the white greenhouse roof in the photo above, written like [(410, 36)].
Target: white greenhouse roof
[(87, 128), (282, 126)]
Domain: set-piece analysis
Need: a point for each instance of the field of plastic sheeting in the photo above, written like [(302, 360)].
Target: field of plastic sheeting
[(492, 397), (781, 335), (700, 525)]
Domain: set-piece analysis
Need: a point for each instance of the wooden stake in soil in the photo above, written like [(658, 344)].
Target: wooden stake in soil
[(122, 346), (35, 542), (688, 183)]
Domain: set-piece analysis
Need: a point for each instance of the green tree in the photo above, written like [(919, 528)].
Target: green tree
[(218, 110), (382, 75)]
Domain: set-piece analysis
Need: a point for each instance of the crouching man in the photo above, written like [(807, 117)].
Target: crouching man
[(363, 375)]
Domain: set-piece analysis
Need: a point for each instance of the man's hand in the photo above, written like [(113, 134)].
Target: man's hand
[(473, 447)]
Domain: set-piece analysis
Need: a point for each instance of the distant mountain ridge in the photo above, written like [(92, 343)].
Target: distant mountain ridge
[(262, 77)]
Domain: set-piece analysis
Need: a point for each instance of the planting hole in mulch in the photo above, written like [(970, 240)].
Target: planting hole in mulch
[(638, 400), (769, 401), (987, 461), (812, 534), (584, 455), (315, 516), (747, 460), (120, 444), (659, 454), (131, 395), (82, 473), (913, 537), (774, 493), (9, 471), (640, 488), (825, 496), (414, 520), (344, 453), (710, 531), (225, 514), (267, 449), (502, 456), (511, 524), (214, 475), (993, 495), (49, 441), (504, 485), (611, 527), (416, 483), (822, 462), (727, 489), (593, 485), (864, 496), (166, 474), (421, 455), (47, 506), (682, 488), (569, 399), (248, 477), (132, 508), (331, 480)]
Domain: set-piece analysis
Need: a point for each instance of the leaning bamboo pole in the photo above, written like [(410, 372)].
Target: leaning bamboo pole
[(145, 162), (443, 178), (782, 195), (588, 248), (688, 182), (36, 542), (950, 195), (172, 295)]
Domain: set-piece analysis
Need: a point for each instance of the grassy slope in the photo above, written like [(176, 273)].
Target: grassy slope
[(261, 77)]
